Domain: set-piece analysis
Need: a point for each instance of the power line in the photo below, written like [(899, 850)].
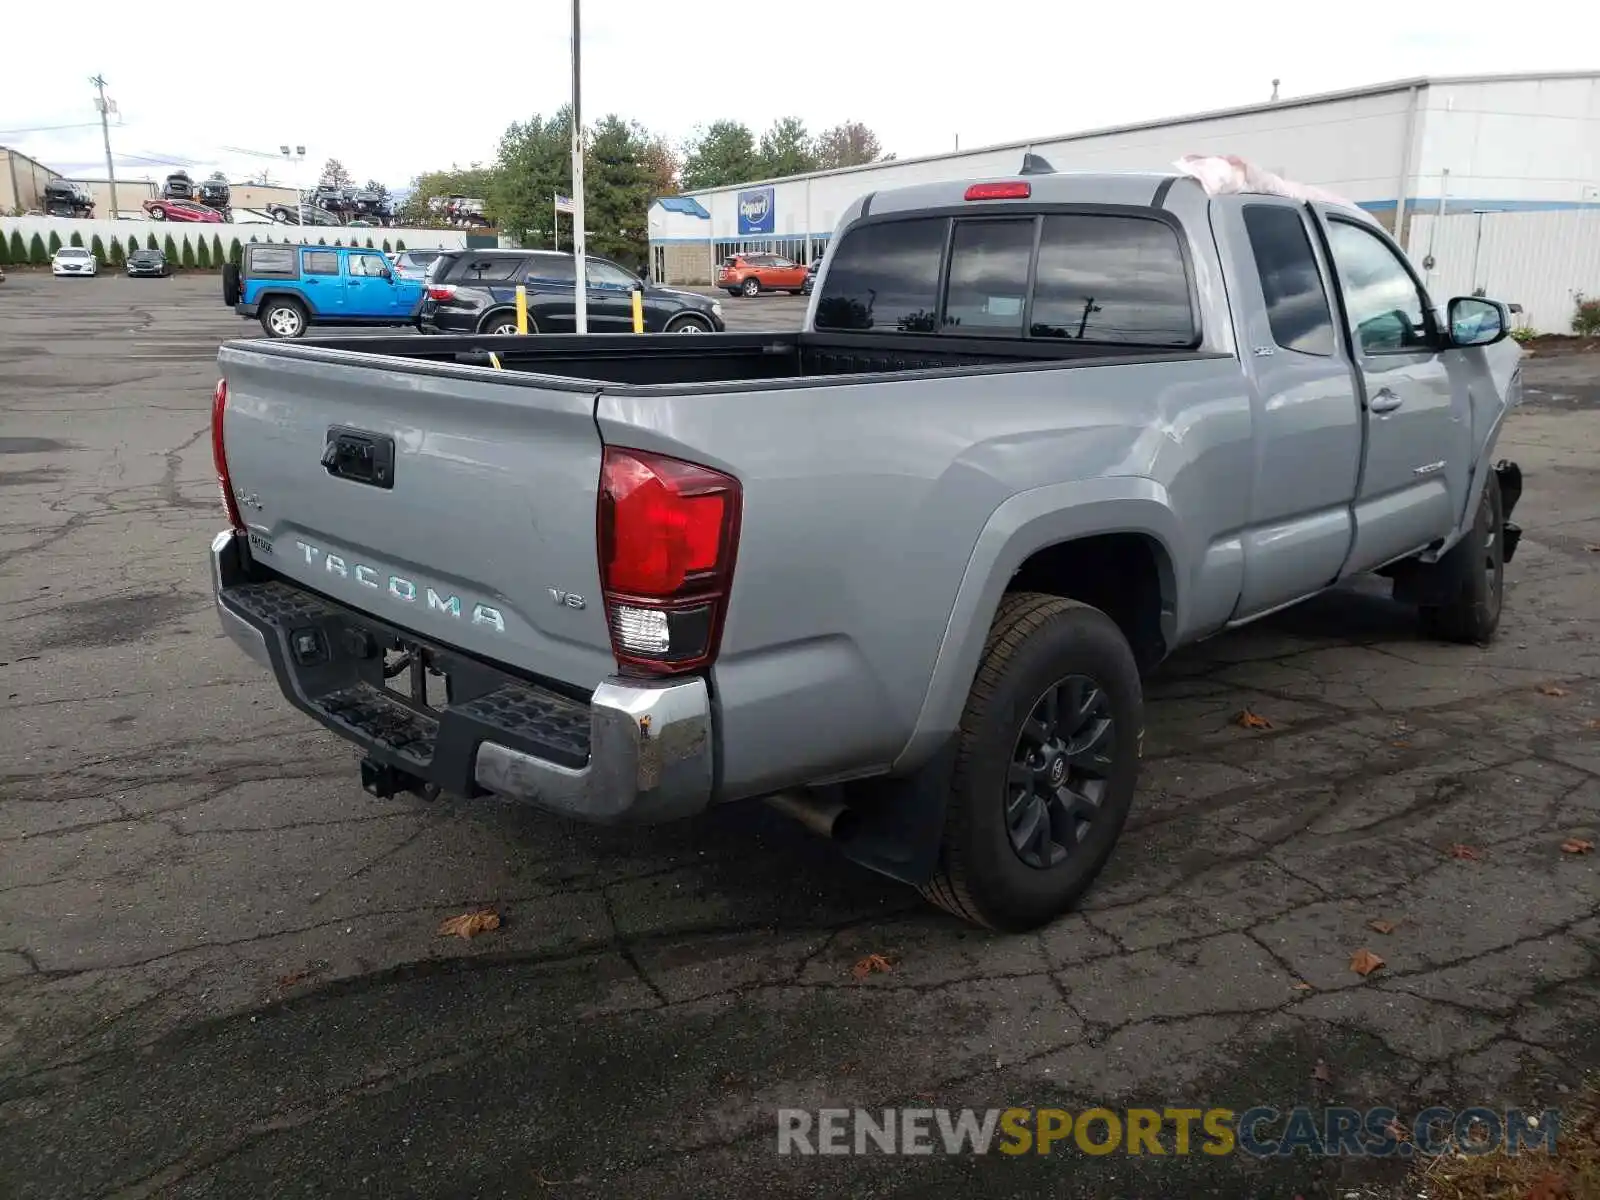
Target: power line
[(47, 128)]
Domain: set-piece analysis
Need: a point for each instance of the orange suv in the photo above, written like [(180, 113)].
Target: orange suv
[(752, 274)]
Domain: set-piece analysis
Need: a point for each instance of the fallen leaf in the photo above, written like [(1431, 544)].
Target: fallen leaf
[(1396, 1130), (1575, 845), (1321, 1073), (293, 977), (1464, 852), (470, 924), (1595, 724), (1365, 962), (730, 1080), (1401, 745), (1303, 986), (1552, 689), (1381, 926), (1250, 720), (870, 964)]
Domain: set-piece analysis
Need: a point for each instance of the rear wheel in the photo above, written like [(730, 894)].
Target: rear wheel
[(751, 286), (1046, 766), (283, 319), (1475, 569)]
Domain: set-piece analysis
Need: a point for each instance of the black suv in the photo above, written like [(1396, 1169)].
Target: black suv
[(475, 291)]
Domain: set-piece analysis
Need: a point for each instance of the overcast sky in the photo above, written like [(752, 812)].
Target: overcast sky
[(399, 88)]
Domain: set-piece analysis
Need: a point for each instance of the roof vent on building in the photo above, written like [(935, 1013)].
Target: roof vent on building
[(1032, 164)]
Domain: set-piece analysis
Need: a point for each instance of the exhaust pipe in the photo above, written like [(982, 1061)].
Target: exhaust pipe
[(818, 815)]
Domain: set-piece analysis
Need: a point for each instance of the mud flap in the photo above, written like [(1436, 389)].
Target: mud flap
[(895, 826), (1510, 477)]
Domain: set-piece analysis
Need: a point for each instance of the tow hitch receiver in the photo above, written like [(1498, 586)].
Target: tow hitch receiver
[(386, 782)]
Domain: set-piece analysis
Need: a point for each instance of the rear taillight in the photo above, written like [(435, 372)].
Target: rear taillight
[(219, 455), (999, 191), (441, 291), (668, 531)]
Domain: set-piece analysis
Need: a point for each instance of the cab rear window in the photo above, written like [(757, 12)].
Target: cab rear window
[(1091, 277)]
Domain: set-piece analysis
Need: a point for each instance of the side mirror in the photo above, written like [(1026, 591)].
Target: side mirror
[(1475, 321)]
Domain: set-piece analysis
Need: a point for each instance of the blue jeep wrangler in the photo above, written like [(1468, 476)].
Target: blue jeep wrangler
[(290, 288)]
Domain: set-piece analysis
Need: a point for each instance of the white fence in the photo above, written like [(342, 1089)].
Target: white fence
[(1540, 260), (214, 234)]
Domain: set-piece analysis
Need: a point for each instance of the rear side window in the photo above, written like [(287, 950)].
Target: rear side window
[(1111, 279), (988, 277), (487, 270), (1297, 303), (320, 262), (885, 277), (276, 262)]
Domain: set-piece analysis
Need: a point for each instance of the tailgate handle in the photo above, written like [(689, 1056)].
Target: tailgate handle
[(359, 457)]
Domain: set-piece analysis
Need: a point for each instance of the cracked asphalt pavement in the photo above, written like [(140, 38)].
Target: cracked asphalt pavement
[(219, 967)]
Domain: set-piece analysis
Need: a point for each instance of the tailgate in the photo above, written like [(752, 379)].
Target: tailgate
[(483, 535)]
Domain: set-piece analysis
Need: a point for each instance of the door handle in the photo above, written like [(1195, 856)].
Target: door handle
[(1384, 401)]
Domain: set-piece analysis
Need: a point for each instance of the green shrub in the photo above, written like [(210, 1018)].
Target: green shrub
[(54, 243), (5, 251), (216, 250), (369, 243), (400, 247), (76, 239), (117, 259), (236, 252), (1524, 334), (386, 245), (133, 245), (1586, 316), (188, 254), (202, 258), (150, 242), (170, 249), (19, 252), (98, 249), (322, 241), (38, 255)]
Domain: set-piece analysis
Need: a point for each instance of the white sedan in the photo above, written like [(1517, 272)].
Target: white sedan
[(73, 260)]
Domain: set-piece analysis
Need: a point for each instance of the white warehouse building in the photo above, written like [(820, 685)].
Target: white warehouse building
[(1492, 143)]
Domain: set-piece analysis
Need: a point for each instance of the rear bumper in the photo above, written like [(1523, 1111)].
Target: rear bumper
[(637, 752)]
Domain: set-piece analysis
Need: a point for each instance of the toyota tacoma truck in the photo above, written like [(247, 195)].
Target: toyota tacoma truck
[(898, 573)]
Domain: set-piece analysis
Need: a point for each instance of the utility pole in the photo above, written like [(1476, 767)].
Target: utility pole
[(105, 108), (579, 266)]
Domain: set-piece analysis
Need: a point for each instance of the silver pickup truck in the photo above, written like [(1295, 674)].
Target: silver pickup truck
[(899, 573)]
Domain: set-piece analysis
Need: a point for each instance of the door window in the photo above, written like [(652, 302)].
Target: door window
[(320, 262), (607, 275), (1297, 305), (1381, 297), (988, 277), (368, 265)]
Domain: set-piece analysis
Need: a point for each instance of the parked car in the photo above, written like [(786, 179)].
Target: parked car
[(476, 292), (1052, 451), (752, 274), (148, 262), (180, 210), (413, 264), (177, 186), (811, 276), (304, 214), (290, 288), (73, 260), (63, 198), (214, 193)]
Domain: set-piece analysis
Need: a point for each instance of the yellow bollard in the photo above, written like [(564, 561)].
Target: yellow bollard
[(522, 309), (638, 311)]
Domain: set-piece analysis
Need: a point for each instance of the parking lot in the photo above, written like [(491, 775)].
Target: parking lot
[(220, 972)]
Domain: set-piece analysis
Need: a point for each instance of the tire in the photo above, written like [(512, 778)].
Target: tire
[(230, 284), (158, 214), (688, 324), (1474, 573), (501, 324), (1039, 647), (284, 310), (750, 288)]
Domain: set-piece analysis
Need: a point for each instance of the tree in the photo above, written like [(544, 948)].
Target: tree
[(169, 250), (471, 181), (216, 250), (786, 149), (724, 153), (150, 242), (400, 247), (848, 145), (76, 239), (663, 166), (37, 254), (55, 243), (188, 254), (202, 258), (236, 252), (217, 177), (98, 249), (116, 253), (619, 185), (19, 252), (133, 245), (386, 246), (5, 252), (374, 186), (532, 165), (335, 175)]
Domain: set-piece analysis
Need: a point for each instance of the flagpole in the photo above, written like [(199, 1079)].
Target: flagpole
[(555, 205), (579, 271)]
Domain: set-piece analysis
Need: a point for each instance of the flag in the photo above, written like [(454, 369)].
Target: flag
[(564, 205)]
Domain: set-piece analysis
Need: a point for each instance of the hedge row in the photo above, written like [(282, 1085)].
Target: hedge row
[(196, 254)]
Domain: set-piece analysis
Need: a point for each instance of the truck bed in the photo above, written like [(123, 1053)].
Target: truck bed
[(729, 359)]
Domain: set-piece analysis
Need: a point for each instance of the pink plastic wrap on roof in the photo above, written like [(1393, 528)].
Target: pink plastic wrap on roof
[(1228, 174)]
